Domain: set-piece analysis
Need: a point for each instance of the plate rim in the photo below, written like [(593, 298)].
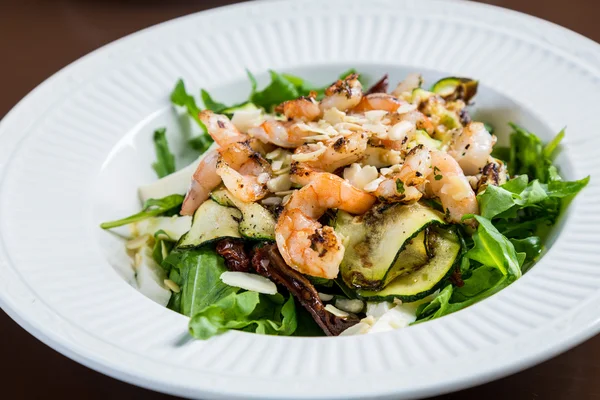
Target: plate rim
[(105, 368)]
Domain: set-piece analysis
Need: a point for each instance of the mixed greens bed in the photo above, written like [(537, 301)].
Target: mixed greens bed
[(332, 210)]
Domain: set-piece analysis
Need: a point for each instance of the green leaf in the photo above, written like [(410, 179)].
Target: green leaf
[(551, 146), (175, 302), (532, 194), (161, 250), (165, 161), (253, 83), (201, 142), (221, 108), (526, 154), (493, 249), (279, 90), (201, 284), (437, 307), (480, 280), (180, 97), (152, 208), (210, 104), (247, 311), (495, 200), (501, 153), (560, 189), (285, 87), (517, 184), (474, 290), (531, 247)]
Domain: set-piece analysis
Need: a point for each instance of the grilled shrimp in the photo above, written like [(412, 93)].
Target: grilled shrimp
[(244, 172), (411, 82), (204, 180), (282, 134), (302, 108), (221, 129), (427, 170), (305, 244), (420, 120), (378, 101), (408, 184), (343, 94), (335, 153), (241, 169), (472, 148), (448, 182)]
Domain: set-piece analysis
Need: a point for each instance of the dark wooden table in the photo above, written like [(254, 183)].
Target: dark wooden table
[(38, 37)]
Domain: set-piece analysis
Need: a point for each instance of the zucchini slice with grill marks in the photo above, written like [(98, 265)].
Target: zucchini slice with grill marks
[(211, 222), (454, 88), (445, 246), (374, 240), (256, 223)]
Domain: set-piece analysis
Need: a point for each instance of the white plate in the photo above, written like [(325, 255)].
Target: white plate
[(73, 151)]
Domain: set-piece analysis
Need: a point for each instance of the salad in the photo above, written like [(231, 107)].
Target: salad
[(341, 210)]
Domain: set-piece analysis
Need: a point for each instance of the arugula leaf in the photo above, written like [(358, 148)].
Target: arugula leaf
[(493, 249), (551, 146), (480, 280), (253, 83), (495, 200), (165, 161), (483, 282), (279, 90), (201, 142), (161, 250), (220, 108), (285, 87), (210, 104), (531, 247), (534, 193), (505, 201), (151, 208), (501, 152), (517, 184), (180, 97), (436, 307), (247, 311), (200, 279), (560, 189), (529, 156), (526, 154), (175, 302), (489, 127)]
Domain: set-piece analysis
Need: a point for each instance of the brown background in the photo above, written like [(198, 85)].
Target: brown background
[(38, 37)]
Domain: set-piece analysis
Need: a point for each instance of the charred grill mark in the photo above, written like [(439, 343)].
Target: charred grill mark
[(221, 124), (341, 142), (464, 116)]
